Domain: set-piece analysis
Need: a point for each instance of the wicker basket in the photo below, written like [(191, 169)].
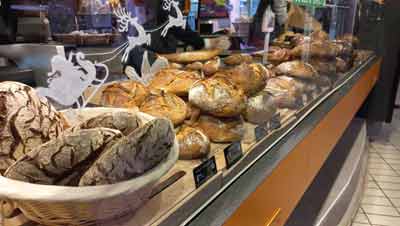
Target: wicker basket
[(59, 205)]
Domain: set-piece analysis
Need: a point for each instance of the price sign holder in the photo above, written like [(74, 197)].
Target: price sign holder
[(205, 171), (233, 153)]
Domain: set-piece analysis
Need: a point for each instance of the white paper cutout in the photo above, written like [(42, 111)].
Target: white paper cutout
[(125, 20), (68, 82), (178, 21), (148, 71)]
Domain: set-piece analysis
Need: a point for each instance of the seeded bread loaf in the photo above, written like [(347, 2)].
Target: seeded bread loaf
[(26, 121)]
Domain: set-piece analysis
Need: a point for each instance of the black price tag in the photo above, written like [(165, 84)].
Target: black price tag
[(233, 153), (260, 132), (204, 171), (275, 122)]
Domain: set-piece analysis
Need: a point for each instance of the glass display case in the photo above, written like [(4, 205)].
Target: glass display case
[(118, 112)]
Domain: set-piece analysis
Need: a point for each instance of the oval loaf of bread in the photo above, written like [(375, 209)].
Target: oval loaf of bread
[(26, 121), (132, 155), (59, 158)]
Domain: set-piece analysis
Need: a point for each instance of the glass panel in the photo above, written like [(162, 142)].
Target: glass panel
[(225, 74)]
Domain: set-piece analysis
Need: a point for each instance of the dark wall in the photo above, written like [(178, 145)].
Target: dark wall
[(380, 104)]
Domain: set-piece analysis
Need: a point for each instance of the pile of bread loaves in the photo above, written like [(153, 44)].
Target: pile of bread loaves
[(39, 146), (209, 100)]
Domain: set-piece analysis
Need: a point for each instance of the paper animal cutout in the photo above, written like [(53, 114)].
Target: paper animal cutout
[(178, 21), (125, 20), (68, 81)]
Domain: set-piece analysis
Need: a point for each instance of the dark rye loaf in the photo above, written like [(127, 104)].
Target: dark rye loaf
[(26, 121), (132, 155), (64, 159)]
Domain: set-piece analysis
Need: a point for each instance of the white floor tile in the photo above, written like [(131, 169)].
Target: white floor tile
[(390, 155), (384, 220), (373, 192), (392, 193), (379, 166), (389, 179), (380, 210), (361, 218), (389, 186), (383, 172), (373, 200), (395, 201)]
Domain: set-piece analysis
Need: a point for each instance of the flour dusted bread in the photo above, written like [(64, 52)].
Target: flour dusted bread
[(218, 96), (123, 121), (195, 66), (132, 155), (317, 49), (221, 130), (297, 69), (260, 108), (174, 81), (193, 56), (26, 121), (165, 105), (211, 66), (278, 55), (237, 59), (58, 159), (193, 143), (251, 78), (126, 94)]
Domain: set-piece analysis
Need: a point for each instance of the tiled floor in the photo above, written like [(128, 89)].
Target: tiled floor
[(380, 205)]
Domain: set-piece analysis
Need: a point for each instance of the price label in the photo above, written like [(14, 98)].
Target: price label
[(204, 171), (233, 153), (310, 3)]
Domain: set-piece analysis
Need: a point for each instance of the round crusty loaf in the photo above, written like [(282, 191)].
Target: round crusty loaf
[(174, 81), (196, 66), (132, 155), (251, 78), (317, 49), (297, 69), (221, 130), (260, 109), (58, 159), (237, 59), (165, 105), (193, 143), (26, 121), (126, 94), (212, 66), (218, 96)]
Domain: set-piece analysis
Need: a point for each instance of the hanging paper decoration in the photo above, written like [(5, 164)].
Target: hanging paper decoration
[(68, 81), (178, 21), (125, 20)]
